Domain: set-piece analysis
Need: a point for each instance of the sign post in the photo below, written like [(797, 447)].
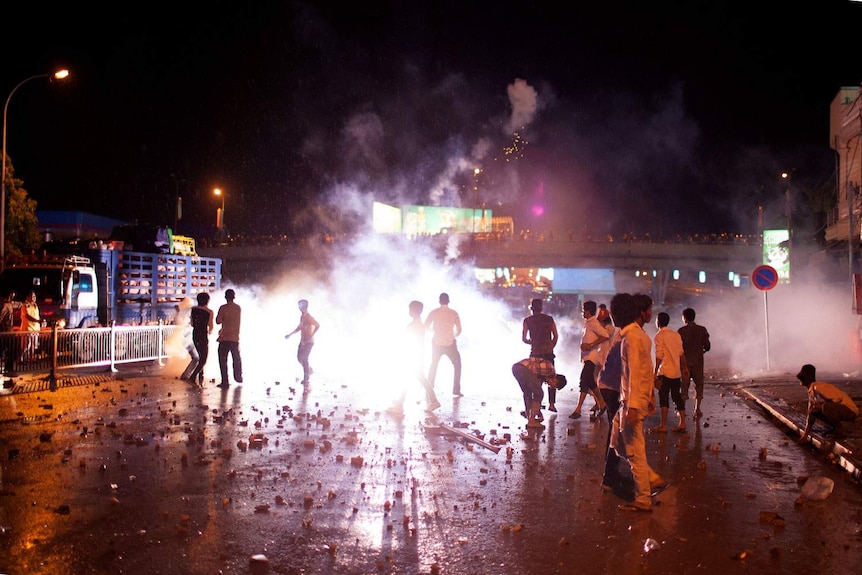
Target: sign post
[(765, 278)]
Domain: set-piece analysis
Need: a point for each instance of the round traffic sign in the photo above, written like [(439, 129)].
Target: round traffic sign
[(764, 277)]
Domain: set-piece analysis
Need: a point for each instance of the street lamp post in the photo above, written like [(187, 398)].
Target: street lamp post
[(476, 172), (788, 212), (220, 214), (787, 208), (178, 209), (59, 75)]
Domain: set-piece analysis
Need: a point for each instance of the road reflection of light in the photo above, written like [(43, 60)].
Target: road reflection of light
[(362, 306)]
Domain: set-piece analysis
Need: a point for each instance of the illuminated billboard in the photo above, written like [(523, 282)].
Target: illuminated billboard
[(429, 220), (420, 220), (385, 219), (776, 252)]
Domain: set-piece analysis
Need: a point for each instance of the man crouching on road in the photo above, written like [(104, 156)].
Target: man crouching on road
[(825, 402), (530, 373)]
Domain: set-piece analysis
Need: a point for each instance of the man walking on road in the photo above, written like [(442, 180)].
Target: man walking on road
[(308, 326), (228, 338), (695, 343), (670, 370), (637, 399)]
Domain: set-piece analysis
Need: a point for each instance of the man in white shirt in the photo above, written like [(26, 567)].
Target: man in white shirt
[(228, 317), (592, 337), (637, 399), (670, 370), (446, 325)]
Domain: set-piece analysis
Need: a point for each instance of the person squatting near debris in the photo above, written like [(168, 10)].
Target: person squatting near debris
[(446, 325), (825, 402), (670, 370), (530, 374), (308, 326), (592, 337), (229, 317), (540, 333), (695, 343), (637, 397), (415, 352)]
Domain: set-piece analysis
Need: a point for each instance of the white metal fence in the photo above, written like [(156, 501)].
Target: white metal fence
[(51, 350)]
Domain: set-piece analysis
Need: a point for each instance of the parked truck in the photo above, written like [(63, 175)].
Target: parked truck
[(100, 283)]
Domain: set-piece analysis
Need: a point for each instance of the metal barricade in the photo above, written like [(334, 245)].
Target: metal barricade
[(50, 350)]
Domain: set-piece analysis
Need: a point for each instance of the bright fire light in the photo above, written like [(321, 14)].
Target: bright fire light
[(361, 305)]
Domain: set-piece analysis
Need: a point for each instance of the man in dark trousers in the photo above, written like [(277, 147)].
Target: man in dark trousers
[(308, 326), (445, 323), (695, 343), (201, 318), (228, 318)]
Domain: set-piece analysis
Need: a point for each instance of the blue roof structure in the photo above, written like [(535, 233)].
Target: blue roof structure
[(60, 224)]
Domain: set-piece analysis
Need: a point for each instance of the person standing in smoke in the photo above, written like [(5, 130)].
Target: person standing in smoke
[(670, 370), (202, 326), (446, 325), (307, 327), (415, 351), (181, 319), (695, 343), (540, 332), (229, 317)]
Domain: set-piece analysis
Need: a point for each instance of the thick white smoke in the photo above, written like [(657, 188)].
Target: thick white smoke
[(361, 299), (361, 303), (524, 100)]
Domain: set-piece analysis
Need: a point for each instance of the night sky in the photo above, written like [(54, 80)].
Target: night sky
[(663, 118)]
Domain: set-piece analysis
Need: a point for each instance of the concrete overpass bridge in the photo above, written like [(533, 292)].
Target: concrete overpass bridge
[(712, 258), (636, 265)]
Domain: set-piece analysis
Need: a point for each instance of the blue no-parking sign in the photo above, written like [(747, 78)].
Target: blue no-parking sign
[(764, 277)]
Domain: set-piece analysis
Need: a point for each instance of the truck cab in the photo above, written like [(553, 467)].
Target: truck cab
[(79, 299), (65, 288)]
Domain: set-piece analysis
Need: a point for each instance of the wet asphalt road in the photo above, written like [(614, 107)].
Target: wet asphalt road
[(139, 473)]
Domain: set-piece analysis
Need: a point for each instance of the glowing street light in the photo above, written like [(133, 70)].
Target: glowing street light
[(59, 75)]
